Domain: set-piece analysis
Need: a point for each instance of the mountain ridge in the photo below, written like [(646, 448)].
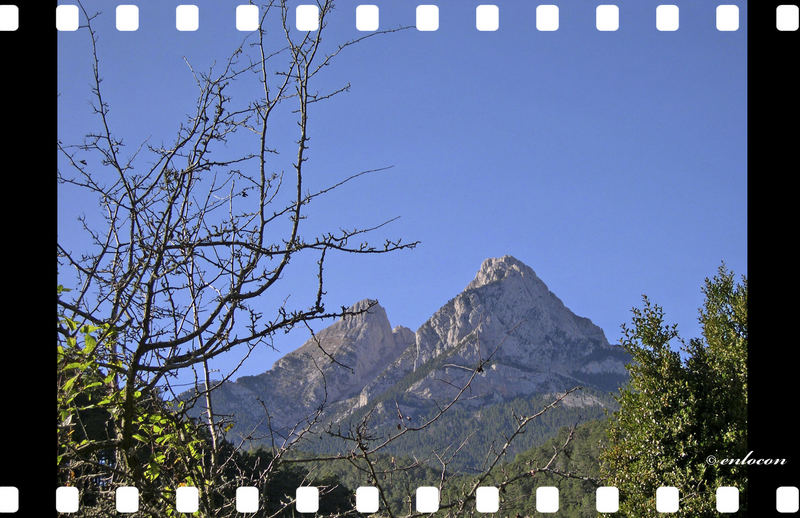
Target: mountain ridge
[(536, 344)]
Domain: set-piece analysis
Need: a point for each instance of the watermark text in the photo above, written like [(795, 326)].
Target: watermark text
[(747, 460)]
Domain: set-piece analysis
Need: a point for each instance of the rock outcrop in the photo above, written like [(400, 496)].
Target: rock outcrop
[(506, 314)]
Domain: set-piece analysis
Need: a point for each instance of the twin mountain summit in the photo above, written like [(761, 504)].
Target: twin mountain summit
[(536, 348)]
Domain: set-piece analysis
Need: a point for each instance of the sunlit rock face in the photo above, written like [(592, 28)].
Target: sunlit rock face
[(534, 343)]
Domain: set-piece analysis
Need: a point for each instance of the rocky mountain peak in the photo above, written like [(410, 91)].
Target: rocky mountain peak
[(364, 304), (404, 335), (538, 346), (497, 269), (369, 312), (353, 334)]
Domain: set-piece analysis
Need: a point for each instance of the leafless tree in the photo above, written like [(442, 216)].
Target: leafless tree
[(187, 245)]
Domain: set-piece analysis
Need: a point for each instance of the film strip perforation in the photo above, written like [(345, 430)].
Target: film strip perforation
[(131, 17), (427, 499), (367, 17)]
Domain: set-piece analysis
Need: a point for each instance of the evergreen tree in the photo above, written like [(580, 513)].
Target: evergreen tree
[(674, 414)]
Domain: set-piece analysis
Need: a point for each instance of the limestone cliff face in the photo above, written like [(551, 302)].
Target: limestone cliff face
[(348, 353), (537, 345), (330, 367)]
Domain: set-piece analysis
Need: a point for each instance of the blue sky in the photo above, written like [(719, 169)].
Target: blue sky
[(612, 163)]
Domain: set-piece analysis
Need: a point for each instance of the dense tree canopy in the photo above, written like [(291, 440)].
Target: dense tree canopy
[(676, 413)]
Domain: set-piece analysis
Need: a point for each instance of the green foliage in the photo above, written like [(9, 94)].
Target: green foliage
[(400, 476), (488, 426), (167, 448), (278, 484), (83, 398), (675, 413), (579, 458)]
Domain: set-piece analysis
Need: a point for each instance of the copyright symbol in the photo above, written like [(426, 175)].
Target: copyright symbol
[(711, 460)]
